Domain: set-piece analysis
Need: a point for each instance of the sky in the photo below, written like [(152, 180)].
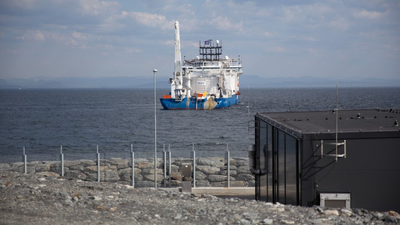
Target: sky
[(92, 38)]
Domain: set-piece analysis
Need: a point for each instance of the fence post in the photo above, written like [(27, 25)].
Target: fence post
[(25, 160), (98, 164), (155, 169), (133, 166), (194, 167), (62, 161), (229, 165), (169, 165), (165, 166)]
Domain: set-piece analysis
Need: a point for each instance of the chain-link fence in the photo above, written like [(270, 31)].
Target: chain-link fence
[(163, 168)]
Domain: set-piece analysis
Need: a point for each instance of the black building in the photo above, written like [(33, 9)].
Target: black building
[(300, 159)]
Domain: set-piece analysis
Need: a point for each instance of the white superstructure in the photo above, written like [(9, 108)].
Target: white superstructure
[(208, 74)]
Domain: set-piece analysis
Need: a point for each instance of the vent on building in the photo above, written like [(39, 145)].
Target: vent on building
[(335, 200)]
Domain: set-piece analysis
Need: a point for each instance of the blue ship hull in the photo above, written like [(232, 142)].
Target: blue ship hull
[(194, 103)]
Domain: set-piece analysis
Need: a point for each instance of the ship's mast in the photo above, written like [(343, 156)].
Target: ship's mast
[(177, 83)]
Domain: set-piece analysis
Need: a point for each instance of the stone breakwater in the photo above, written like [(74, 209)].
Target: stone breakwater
[(42, 199), (210, 172)]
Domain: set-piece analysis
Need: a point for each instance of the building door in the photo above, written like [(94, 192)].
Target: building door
[(284, 168)]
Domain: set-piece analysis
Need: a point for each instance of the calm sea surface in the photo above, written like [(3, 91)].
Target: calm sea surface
[(79, 120)]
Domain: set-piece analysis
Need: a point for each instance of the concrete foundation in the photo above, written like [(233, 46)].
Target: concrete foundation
[(222, 191)]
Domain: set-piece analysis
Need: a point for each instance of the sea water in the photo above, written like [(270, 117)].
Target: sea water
[(116, 119)]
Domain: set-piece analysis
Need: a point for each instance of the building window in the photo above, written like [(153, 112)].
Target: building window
[(276, 154), (281, 169), (269, 164), (291, 170)]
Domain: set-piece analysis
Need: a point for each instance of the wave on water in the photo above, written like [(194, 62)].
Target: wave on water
[(79, 120)]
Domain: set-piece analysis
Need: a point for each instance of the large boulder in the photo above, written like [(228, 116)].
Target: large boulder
[(120, 163), (138, 177), (245, 177), (145, 165), (128, 171), (212, 161), (48, 174), (174, 183), (174, 168), (219, 184), (208, 169), (68, 163), (151, 177), (242, 161), (226, 167), (19, 167), (55, 167), (200, 175), (105, 176), (217, 178), (93, 169), (126, 174), (142, 184), (151, 171), (243, 169), (128, 177), (176, 176), (202, 183), (225, 172), (86, 163), (43, 167), (4, 166), (77, 167), (75, 174)]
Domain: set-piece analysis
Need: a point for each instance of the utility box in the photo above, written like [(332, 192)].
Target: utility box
[(186, 170), (335, 200)]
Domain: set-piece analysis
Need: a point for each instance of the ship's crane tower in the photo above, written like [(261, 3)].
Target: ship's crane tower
[(176, 82)]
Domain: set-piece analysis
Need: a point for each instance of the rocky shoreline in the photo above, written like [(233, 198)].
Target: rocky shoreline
[(210, 171), (51, 199)]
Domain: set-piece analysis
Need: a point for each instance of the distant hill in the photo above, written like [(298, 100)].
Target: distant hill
[(76, 82), (272, 82), (252, 81)]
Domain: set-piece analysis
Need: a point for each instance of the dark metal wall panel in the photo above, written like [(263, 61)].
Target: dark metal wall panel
[(262, 158), (308, 192), (370, 172), (257, 162)]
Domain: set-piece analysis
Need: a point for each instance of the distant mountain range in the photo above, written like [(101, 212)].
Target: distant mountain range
[(77, 82), (309, 81), (251, 81)]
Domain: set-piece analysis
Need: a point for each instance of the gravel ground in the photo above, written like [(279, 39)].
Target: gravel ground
[(48, 199)]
